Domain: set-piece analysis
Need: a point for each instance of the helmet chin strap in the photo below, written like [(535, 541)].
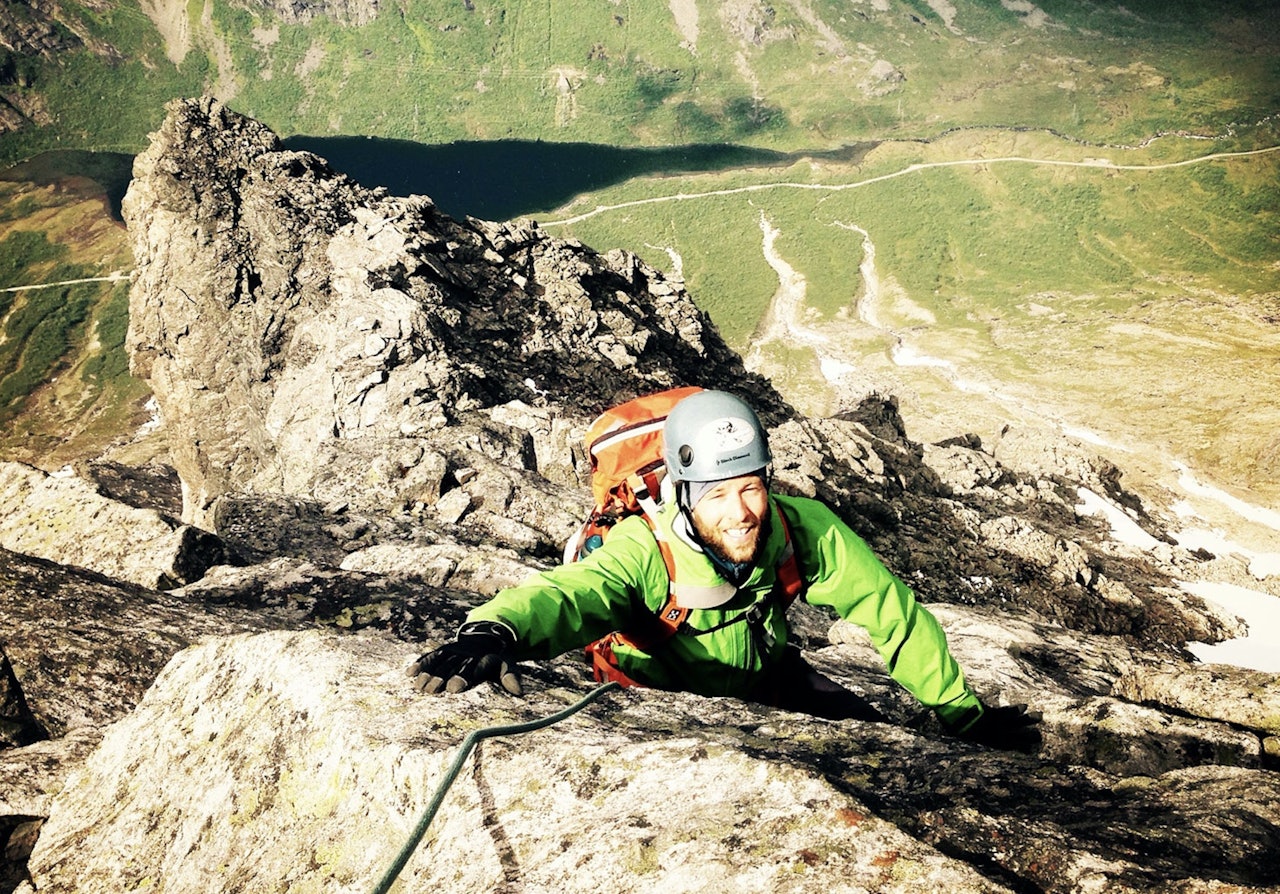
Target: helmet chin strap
[(688, 529)]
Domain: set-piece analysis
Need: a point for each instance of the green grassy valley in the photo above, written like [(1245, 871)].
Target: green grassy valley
[(799, 75), (1071, 209), (1126, 297), (65, 389)]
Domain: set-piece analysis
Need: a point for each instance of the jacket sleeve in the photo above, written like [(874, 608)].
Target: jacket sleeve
[(842, 572), (571, 605)]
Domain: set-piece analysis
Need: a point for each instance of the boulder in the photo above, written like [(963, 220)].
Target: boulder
[(84, 648), (64, 517), (315, 338)]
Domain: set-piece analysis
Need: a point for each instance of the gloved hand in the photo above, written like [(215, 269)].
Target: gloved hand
[(481, 651), (1009, 728)]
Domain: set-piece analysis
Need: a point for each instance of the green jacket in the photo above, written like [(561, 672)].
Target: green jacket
[(572, 605)]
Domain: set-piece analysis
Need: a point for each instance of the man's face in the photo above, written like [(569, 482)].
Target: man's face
[(729, 517)]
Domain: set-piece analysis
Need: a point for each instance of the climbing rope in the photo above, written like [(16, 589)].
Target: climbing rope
[(468, 744)]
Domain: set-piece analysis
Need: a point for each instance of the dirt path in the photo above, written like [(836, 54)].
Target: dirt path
[(172, 19), (111, 277), (685, 12), (1101, 163)]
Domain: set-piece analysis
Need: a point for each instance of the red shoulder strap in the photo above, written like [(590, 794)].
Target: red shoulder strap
[(668, 618), (788, 570)]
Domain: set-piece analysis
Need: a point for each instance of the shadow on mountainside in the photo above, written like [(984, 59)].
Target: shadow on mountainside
[(503, 179), (68, 169)]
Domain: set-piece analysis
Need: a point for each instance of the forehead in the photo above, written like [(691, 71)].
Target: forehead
[(730, 485)]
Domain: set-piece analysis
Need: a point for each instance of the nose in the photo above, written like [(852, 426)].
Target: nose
[(738, 509)]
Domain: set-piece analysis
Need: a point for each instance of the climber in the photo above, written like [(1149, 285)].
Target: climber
[(728, 541)]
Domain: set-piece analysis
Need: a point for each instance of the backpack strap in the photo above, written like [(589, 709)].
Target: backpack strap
[(641, 489), (646, 488), (668, 620), (604, 666), (672, 617), (788, 570)]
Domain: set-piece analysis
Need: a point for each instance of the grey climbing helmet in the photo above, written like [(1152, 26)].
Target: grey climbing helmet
[(711, 436)]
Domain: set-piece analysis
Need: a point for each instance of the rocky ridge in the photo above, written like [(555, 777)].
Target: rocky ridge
[(26, 30), (374, 416)]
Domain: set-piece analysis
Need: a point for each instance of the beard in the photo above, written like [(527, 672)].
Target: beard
[(732, 550)]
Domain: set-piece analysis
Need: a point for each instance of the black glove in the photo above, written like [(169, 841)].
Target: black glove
[(481, 651), (1009, 728)]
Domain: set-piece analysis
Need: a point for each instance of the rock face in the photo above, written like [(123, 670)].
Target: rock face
[(376, 412), (314, 337), (311, 760), (35, 30), (29, 31), (347, 12), (532, 812)]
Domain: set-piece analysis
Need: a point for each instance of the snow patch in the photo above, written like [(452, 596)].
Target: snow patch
[(1123, 527), (1260, 649), (1259, 610), (1248, 511), (834, 370)]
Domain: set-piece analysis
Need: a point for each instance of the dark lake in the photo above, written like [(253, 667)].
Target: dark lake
[(502, 179), (495, 180)]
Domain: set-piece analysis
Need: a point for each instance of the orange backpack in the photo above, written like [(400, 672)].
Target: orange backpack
[(627, 469)]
